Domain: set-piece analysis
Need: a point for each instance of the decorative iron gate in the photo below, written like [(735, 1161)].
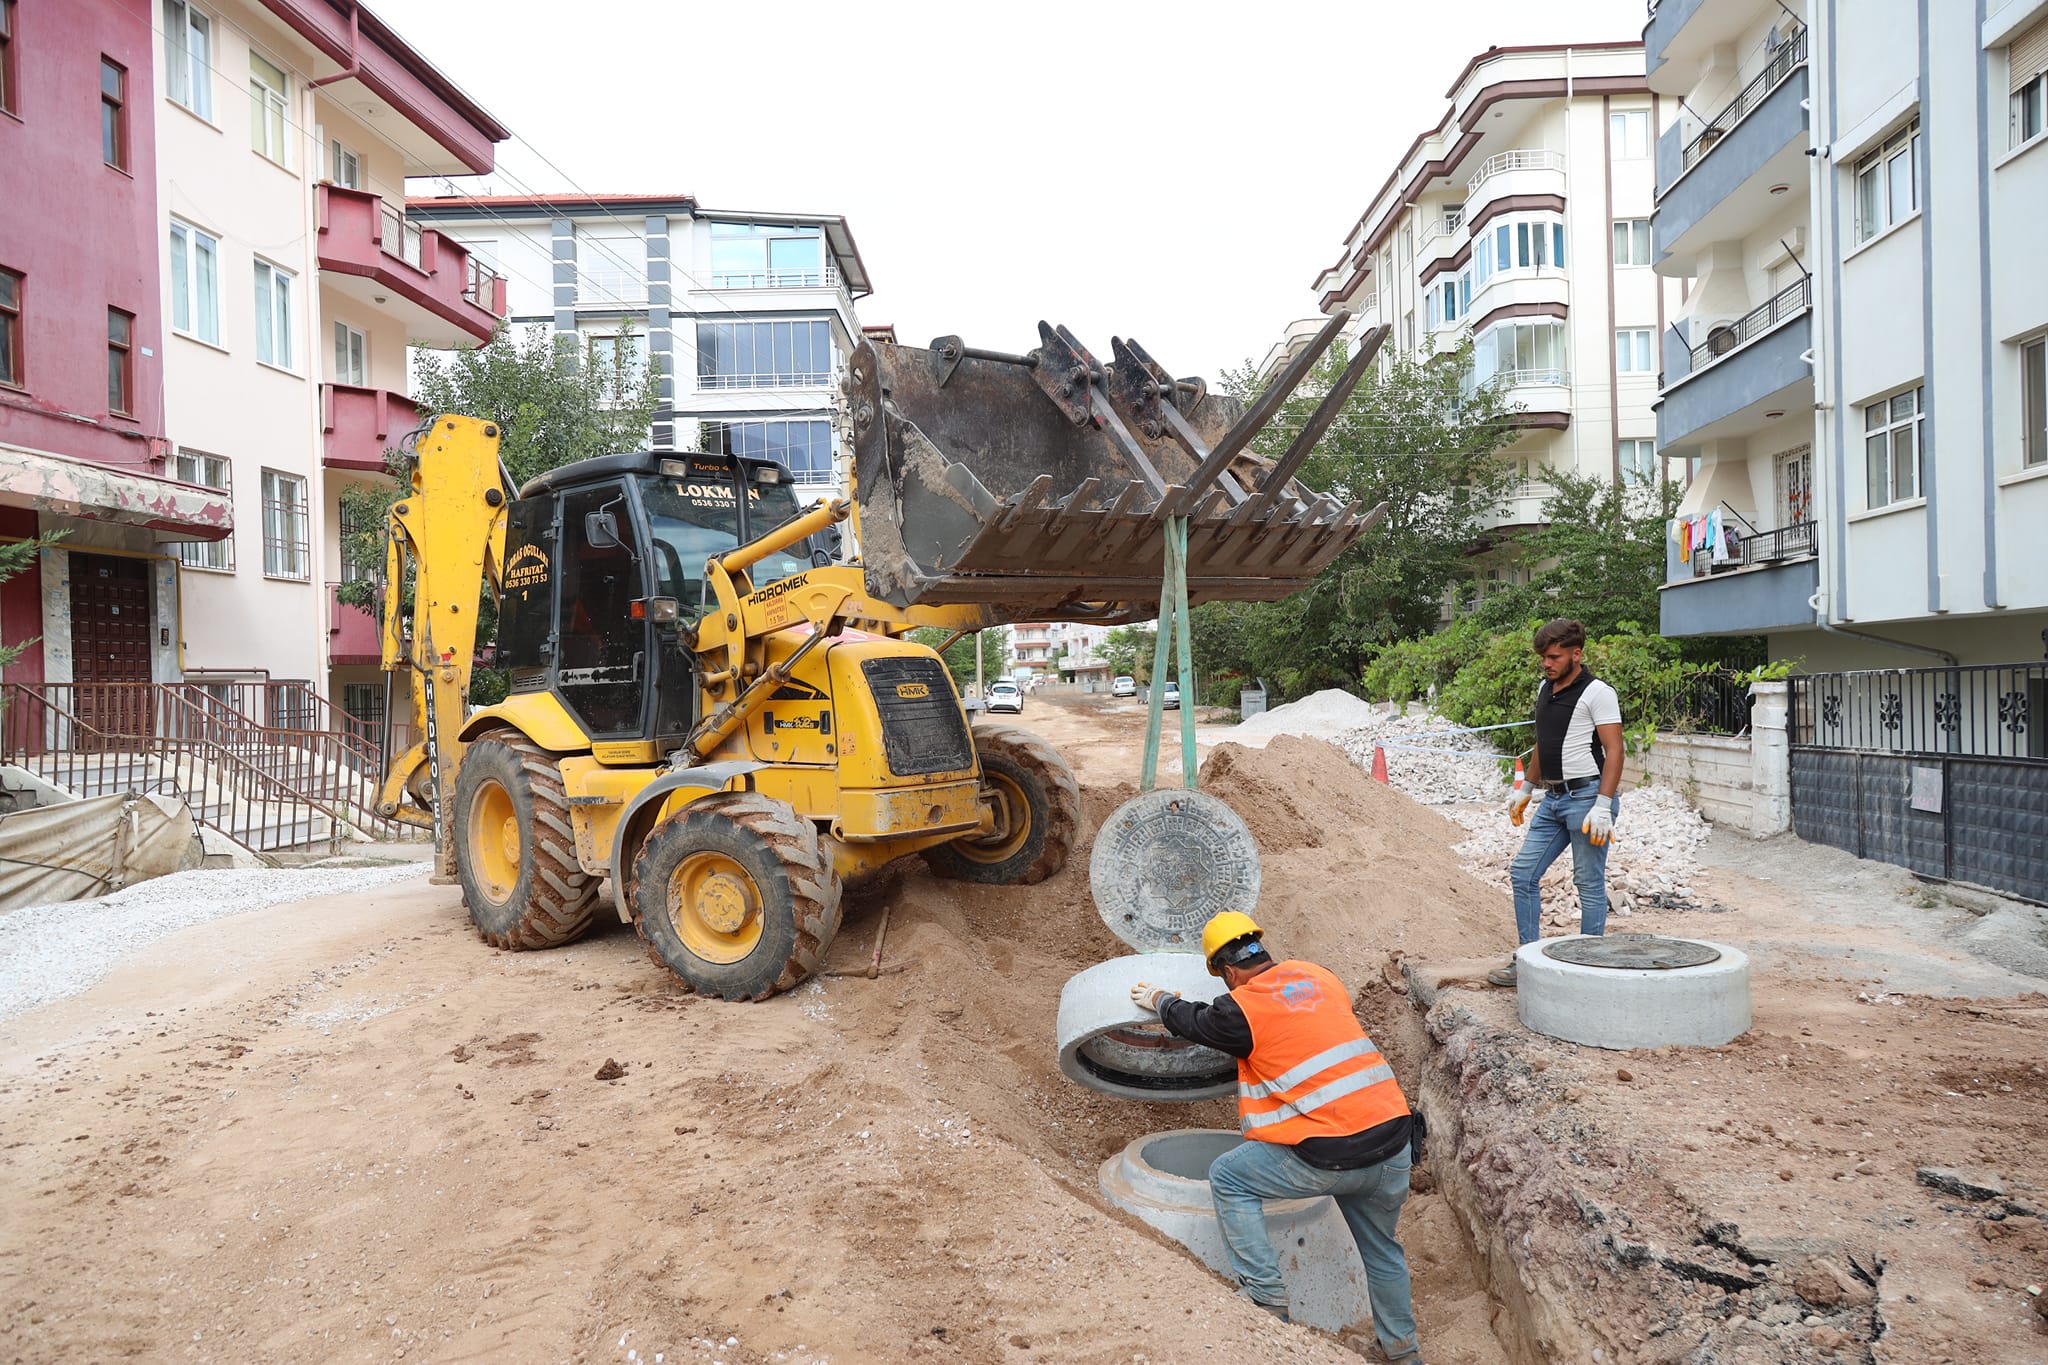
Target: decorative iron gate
[(1943, 771)]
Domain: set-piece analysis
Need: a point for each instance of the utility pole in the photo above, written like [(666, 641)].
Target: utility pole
[(979, 689)]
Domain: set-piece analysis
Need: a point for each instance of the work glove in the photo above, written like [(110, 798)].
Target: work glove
[(1147, 997), (1518, 806), (1598, 826)]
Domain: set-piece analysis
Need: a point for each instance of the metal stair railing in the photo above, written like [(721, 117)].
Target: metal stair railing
[(225, 791)]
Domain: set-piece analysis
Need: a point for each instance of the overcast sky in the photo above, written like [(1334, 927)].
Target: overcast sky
[(1177, 173)]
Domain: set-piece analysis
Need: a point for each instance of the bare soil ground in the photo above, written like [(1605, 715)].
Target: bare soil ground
[(346, 1130)]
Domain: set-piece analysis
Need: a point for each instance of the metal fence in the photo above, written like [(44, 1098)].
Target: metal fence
[(1779, 64), (1943, 771), (1782, 306), (1710, 702)]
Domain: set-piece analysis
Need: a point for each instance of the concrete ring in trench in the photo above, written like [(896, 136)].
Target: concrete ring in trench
[(1163, 1179), (1109, 1044), (1633, 990)]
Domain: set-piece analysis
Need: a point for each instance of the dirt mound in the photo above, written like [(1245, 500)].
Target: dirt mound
[(1352, 868)]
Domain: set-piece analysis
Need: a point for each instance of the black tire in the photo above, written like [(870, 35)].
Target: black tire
[(551, 900), (770, 902), (1031, 777)]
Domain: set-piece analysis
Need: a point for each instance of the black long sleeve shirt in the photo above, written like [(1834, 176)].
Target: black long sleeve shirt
[(1221, 1025)]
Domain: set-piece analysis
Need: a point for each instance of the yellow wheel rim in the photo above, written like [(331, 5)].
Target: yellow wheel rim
[(495, 845), (715, 906), (1013, 823)]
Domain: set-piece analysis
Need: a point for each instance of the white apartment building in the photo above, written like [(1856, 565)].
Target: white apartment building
[(1077, 647), (1856, 198), (750, 316), (1522, 219), (1032, 649), (285, 130)]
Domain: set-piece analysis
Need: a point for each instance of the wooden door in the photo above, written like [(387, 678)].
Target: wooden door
[(110, 647)]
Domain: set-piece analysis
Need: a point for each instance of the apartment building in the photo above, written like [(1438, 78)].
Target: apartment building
[(1076, 651), (749, 316), (1855, 198), (1032, 647), (1521, 220), (213, 290)]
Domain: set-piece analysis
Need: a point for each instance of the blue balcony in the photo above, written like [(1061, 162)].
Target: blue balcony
[(1667, 18), (1766, 587), (1726, 386), (1714, 186)]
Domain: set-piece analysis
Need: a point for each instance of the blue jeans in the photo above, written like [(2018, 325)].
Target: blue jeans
[(1370, 1198), (1553, 824)]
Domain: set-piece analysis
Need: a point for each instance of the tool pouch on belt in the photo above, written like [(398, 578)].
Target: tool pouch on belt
[(1418, 1134)]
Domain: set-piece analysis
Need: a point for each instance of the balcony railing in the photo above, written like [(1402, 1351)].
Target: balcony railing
[(1369, 304), (1438, 228), (401, 237), (1515, 379), (1521, 159), (1783, 306), (805, 379), (611, 286), (1789, 56), (1761, 547), (828, 277)]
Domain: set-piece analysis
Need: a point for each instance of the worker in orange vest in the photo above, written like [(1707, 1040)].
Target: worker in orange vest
[(1322, 1112)]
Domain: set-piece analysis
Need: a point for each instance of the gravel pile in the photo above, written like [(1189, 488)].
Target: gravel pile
[(1652, 861), (1469, 772), (48, 952), (1320, 715)]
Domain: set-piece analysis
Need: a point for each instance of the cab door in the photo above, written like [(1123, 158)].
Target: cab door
[(603, 652)]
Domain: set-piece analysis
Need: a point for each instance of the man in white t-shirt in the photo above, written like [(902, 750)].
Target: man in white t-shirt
[(1577, 764)]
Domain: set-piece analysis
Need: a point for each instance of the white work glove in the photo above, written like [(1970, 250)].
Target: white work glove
[(1147, 997), (1598, 826), (1518, 805)]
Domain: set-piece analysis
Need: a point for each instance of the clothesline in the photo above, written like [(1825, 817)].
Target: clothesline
[(1706, 533)]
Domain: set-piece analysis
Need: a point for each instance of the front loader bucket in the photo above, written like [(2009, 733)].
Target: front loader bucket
[(1041, 484)]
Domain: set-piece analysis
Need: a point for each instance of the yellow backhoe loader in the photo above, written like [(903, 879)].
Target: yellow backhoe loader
[(712, 711)]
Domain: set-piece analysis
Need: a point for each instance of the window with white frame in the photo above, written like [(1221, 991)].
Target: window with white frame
[(287, 547), (195, 282), (344, 167), (1638, 460), (1521, 353), (268, 107), (1894, 445), (767, 256), (1629, 131), (2034, 402), (351, 356), (188, 57), (1523, 243), (1632, 351), (207, 471), (768, 355), (1632, 241), (273, 315), (1888, 183), (805, 446), (2027, 66)]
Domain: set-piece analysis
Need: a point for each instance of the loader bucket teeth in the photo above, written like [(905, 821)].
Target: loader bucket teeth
[(1042, 484)]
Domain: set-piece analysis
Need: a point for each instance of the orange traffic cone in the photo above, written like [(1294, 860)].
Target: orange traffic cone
[(1379, 763)]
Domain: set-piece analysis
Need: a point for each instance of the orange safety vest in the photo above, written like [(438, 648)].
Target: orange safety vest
[(1313, 1072)]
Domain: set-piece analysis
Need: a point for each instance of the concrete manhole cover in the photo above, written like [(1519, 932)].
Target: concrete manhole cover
[(1165, 862), (1633, 952)]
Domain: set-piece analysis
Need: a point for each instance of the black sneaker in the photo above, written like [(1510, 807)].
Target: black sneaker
[(1503, 976)]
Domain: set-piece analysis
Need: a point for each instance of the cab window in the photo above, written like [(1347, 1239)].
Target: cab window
[(601, 648), (698, 515)]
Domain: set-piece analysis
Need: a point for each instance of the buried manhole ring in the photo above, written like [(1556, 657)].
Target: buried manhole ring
[(1110, 1045), (1633, 952), (1165, 862)]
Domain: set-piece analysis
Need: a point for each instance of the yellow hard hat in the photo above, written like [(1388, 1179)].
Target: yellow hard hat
[(1223, 930)]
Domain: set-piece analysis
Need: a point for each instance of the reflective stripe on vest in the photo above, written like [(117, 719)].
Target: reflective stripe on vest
[(1313, 1072)]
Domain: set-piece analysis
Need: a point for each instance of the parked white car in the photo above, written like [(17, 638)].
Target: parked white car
[(1004, 696), (1125, 686)]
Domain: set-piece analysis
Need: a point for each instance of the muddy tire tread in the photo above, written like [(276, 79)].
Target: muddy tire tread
[(561, 897), (1039, 760)]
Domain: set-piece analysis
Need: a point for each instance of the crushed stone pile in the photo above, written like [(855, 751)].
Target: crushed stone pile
[(1650, 864), (1355, 726), (48, 952), (1320, 715)]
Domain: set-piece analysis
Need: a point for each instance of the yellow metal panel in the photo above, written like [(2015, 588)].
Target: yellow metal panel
[(597, 798), (812, 792), (540, 716), (908, 811), (863, 759)]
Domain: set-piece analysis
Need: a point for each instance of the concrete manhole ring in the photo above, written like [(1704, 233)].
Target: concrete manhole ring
[(1648, 993), (1165, 862), (1110, 1045)]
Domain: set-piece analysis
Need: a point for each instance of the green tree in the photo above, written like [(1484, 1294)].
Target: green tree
[(960, 656), (1421, 436), (14, 558), (1128, 650)]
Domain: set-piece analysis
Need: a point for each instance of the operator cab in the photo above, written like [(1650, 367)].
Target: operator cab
[(595, 554)]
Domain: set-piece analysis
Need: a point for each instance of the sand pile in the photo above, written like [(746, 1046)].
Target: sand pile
[(1352, 869), (1651, 863)]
